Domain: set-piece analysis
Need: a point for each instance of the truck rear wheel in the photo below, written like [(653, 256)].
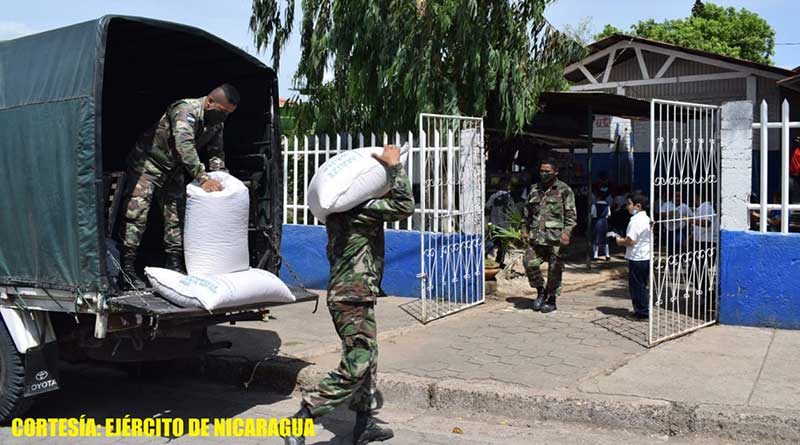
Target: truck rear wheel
[(12, 379)]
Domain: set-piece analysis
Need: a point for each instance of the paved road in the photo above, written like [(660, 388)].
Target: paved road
[(105, 393)]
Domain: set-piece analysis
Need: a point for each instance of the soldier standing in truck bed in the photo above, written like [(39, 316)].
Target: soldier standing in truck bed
[(550, 217), (156, 168)]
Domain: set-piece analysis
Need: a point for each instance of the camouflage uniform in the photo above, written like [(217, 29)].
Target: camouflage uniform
[(157, 164), (355, 252), (549, 213)]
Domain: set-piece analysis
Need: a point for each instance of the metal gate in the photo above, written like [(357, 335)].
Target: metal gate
[(684, 196), (451, 197)]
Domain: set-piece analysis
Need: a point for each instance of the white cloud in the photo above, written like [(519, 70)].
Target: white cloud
[(12, 30)]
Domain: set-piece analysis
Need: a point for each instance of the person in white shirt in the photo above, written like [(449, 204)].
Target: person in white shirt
[(704, 231), (676, 230), (637, 252)]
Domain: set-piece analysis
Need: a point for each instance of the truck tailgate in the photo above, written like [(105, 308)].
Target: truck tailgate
[(150, 303)]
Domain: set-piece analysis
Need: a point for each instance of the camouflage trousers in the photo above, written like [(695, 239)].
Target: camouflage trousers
[(170, 191), (534, 257), (355, 378)]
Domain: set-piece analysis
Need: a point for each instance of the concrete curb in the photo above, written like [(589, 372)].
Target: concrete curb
[(286, 375)]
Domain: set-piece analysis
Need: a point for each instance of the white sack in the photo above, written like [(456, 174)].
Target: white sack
[(347, 180), (218, 291), (215, 228)]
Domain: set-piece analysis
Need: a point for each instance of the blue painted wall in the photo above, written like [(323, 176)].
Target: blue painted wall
[(760, 279), (303, 248)]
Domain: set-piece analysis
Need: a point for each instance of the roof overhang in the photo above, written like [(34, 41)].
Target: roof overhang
[(604, 54), (597, 103), (792, 82)]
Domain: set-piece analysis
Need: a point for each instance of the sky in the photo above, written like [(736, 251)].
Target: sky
[(229, 20)]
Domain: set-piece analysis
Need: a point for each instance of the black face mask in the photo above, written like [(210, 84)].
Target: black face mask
[(214, 116), (546, 178)]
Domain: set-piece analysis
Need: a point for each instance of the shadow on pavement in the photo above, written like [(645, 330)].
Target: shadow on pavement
[(101, 392), (617, 322), (619, 290), (341, 422), (520, 302)]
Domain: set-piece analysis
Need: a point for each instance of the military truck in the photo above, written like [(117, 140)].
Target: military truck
[(72, 103)]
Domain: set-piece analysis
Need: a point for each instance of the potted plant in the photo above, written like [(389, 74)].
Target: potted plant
[(511, 237), (490, 269)]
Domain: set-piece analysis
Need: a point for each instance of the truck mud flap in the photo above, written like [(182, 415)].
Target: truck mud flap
[(41, 369)]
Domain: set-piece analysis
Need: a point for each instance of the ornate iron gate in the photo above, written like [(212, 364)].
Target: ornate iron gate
[(684, 196), (451, 197)]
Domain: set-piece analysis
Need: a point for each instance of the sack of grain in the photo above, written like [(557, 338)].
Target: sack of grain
[(347, 180), (215, 227), (219, 291)]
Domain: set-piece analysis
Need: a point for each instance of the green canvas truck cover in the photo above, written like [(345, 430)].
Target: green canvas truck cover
[(52, 130), (48, 203)]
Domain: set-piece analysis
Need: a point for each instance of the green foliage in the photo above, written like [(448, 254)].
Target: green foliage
[(390, 60), (511, 237), (580, 32), (726, 31), (698, 8), (607, 31)]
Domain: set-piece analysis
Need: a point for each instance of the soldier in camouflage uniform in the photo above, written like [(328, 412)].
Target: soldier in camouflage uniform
[(550, 217), (157, 165), (356, 255)]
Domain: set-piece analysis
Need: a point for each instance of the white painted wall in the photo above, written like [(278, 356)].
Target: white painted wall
[(737, 163)]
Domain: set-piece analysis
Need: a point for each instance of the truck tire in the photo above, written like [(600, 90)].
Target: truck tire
[(12, 379)]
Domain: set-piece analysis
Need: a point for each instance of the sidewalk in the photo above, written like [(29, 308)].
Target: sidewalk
[(583, 363)]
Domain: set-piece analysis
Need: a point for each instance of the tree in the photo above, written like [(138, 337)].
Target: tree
[(726, 31), (608, 30), (391, 60), (580, 32), (698, 8)]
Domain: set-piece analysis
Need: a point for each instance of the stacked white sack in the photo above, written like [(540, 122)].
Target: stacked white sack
[(347, 180), (215, 228), (215, 292)]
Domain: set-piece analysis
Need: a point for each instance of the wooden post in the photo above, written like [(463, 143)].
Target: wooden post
[(589, 141)]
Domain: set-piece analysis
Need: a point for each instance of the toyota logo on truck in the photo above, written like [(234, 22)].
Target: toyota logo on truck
[(42, 382)]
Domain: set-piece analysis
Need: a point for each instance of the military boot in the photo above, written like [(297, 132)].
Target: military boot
[(174, 261), (549, 305), (128, 278), (541, 297), (304, 413), (367, 430)]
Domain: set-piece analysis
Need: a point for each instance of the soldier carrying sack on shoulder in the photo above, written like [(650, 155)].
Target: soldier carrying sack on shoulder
[(356, 256)]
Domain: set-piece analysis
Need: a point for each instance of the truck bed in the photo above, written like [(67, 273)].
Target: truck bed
[(150, 303)]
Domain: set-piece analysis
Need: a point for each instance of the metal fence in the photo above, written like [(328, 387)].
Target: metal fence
[(764, 207), (445, 165), (303, 156), (685, 167), (451, 202)]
